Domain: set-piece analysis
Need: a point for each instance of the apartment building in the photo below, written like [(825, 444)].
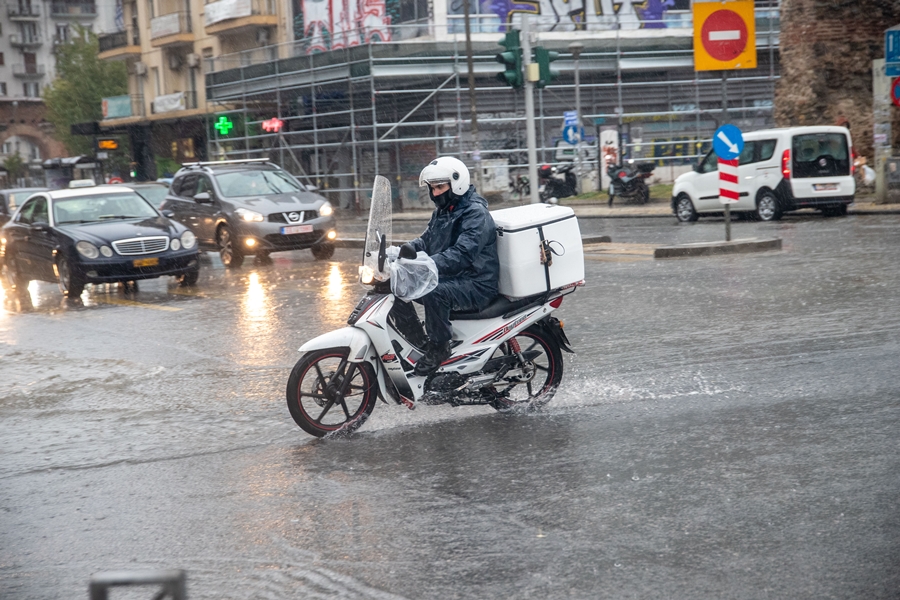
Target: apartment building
[(166, 44), (29, 32)]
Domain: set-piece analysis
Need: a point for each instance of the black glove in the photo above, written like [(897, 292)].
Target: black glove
[(407, 251)]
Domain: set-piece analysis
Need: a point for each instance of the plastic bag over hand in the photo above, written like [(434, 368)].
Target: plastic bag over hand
[(412, 278)]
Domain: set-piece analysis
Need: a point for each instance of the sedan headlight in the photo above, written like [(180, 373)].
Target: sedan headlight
[(87, 249), (248, 215), (326, 210), (106, 251), (188, 240)]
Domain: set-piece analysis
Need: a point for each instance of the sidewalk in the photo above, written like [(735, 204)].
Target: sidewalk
[(655, 208)]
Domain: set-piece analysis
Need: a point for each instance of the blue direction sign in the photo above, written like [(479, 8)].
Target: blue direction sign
[(570, 134), (892, 53), (570, 117), (728, 142)]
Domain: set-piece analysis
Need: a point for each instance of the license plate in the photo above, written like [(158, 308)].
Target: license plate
[(146, 262), (296, 229), (825, 187)]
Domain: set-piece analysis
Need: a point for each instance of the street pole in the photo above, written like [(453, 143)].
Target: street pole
[(575, 48), (476, 147), (529, 112)]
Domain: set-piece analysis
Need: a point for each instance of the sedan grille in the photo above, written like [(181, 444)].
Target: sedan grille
[(137, 246), (301, 216)]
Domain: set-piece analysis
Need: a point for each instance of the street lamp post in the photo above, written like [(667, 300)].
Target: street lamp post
[(575, 48)]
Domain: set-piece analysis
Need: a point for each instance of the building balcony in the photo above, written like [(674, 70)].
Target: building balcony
[(227, 17), (80, 10), (173, 29), (18, 41), (24, 12), (120, 45), (29, 71)]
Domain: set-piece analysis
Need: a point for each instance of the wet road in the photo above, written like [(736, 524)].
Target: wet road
[(728, 429)]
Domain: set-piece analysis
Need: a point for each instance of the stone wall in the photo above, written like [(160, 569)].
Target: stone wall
[(827, 49), (25, 118)]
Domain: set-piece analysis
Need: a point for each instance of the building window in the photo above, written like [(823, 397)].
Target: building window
[(1, 60), (2, 88), (7, 148), (31, 89), (62, 33)]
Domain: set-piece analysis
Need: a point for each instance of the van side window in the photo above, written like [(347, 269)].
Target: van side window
[(710, 163), (746, 156), (188, 186), (766, 148)]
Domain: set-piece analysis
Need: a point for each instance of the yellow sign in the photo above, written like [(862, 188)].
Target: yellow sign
[(107, 144), (724, 35)]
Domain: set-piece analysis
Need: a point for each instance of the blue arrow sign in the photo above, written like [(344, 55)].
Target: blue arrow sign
[(892, 52), (728, 142)]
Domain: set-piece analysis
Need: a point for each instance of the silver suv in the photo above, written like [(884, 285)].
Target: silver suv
[(250, 207)]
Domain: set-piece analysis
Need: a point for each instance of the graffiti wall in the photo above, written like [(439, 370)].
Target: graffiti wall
[(575, 15), (336, 24)]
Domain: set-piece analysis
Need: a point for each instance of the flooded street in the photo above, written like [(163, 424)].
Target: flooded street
[(727, 429)]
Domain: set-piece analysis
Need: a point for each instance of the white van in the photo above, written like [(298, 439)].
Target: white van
[(779, 170)]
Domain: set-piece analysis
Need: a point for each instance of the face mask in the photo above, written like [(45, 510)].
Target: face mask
[(440, 201)]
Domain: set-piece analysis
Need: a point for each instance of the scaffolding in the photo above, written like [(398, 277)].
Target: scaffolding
[(387, 107)]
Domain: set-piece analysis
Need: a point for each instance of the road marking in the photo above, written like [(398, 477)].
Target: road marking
[(121, 302)]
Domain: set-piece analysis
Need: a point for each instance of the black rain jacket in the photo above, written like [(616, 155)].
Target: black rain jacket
[(462, 241)]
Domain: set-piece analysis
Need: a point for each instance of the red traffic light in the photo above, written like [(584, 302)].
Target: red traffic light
[(273, 125)]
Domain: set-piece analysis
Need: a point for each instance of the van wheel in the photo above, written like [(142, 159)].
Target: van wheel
[(767, 207), (684, 209), (835, 211)]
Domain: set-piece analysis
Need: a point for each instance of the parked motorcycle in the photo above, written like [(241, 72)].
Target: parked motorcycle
[(629, 181), (507, 356), (519, 186), (557, 182)]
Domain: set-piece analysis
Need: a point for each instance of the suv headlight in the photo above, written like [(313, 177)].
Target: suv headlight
[(87, 249), (188, 240), (248, 215), (326, 210)]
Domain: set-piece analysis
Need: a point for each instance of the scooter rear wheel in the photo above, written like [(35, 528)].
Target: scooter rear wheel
[(329, 395), (531, 395)]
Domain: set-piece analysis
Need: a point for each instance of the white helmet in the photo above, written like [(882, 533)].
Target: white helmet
[(446, 169)]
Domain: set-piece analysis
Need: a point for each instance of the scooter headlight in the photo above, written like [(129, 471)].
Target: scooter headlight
[(366, 274)]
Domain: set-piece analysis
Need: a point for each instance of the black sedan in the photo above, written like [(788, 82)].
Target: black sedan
[(103, 234)]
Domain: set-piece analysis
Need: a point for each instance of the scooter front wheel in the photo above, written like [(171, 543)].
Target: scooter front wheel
[(329, 395)]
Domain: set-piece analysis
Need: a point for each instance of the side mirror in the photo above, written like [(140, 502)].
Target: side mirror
[(203, 198), (41, 226), (311, 188), (697, 167), (168, 213)]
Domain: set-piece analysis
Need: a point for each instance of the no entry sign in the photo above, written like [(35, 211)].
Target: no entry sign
[(895, 92), (724, 35)]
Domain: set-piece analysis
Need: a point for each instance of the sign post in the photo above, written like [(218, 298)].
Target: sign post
[(728, 143)]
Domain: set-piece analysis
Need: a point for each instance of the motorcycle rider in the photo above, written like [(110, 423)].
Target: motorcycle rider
[(462, 240)]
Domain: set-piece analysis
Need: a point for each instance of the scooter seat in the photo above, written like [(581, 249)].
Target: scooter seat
[(499, 306)]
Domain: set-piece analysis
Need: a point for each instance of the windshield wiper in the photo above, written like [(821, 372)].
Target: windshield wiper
[(269, 183), (120, 217)]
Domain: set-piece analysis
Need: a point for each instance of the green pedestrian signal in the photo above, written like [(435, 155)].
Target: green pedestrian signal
[(224, 125), (543, 58), (512, 59)]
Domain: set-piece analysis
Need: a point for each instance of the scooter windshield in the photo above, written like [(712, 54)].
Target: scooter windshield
[(378, 234)]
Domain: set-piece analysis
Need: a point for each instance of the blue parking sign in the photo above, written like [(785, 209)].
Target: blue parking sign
[(728, 142)]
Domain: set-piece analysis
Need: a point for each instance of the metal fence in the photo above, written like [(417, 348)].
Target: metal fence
[(393, 100)]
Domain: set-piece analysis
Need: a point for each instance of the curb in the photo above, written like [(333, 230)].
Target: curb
[(718, 248)]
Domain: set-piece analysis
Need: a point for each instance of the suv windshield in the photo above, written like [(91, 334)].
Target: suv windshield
[(86, 209), (820, 155), (257, 183)]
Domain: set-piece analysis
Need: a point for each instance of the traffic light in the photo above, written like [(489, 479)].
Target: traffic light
[(543, 58), (512, 59)]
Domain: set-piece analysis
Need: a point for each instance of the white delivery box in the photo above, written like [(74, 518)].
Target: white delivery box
[(539, 246)]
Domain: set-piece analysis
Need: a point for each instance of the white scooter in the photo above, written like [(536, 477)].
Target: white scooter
[(508, 355)]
